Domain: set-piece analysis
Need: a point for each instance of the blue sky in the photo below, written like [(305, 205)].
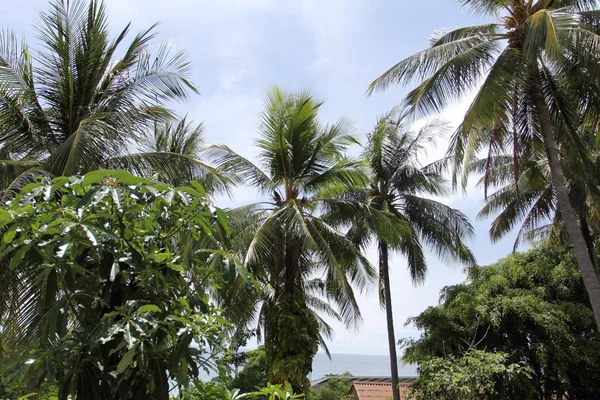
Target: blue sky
[(334, 48)]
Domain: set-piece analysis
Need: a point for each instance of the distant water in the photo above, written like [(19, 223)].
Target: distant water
[(358, 365)]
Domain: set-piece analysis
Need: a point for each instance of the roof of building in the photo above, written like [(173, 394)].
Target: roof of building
[(371, 390), (385, 379), (377, 390)]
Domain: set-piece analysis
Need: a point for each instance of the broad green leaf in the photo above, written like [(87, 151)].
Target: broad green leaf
[(246, 275), (28, 396), (126, 361), (229, 269), (5, 217), (183, 302), (9, 236), (223, 220), (182, 373), (114, 270), (18, 256), (149, 308), (63, 250), (125, 178), (92, 233), (112, 331), (30, 195), (196, 185), (176, 267), (116, 195), (128, 335), (95, 177)]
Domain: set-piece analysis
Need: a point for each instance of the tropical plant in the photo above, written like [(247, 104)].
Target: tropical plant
[(337, 388), (529, 199), (99, 295), (210, 391), (253, 373), (530, 306), (171, 153), (282, 391), (74, 107), (537, 69), (473, 376), (399, 186), (298, 257)]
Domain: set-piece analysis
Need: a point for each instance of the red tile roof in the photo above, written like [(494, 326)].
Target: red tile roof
[(376, 391)]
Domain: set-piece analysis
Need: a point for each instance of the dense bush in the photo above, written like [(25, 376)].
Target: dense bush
[(109, 300), (531, 306)]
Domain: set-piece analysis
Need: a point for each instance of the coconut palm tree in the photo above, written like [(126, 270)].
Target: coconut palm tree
[(74, 106), (529, 200), (537, 68), (296, 254), (402, 186), (171, 151)]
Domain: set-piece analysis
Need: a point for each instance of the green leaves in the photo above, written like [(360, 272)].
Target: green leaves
[(468, 377), (149, 308), (549, 32), (87, 105), (529, 306), (103, 268), (126, 361), (277, 392)]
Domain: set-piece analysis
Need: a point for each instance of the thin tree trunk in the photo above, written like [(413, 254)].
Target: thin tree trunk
[(590, 242), (32, 387), (385, 270), (586, 266)]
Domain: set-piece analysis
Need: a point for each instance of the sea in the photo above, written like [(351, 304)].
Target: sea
[(357, 365)]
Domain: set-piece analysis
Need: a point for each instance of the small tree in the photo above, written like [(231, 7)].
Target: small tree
[(110, 304), (253, 373), (470, 377)]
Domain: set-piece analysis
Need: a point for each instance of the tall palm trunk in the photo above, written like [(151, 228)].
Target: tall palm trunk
[(384, 267), (586, 266), (590, 242)]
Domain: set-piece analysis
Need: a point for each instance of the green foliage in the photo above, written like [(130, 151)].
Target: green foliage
[(253, 373), (73, 106), (536, 81), (475, 375), (210, 391), (14, 388), (300, 259), (283, 391), (399, 188), (104, 294), (531, 306), (292, 341), (336, 388)]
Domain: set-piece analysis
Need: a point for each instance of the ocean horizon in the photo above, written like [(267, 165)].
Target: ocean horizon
[(357, 365)]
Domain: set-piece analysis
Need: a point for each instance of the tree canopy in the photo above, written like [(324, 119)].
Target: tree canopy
[(530, 306), (100, 295)]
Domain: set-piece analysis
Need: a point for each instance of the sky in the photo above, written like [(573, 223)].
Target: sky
[(334, 48)]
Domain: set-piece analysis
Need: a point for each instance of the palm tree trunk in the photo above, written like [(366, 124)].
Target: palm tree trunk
[(590, 242), (384, 267), (586, 266)]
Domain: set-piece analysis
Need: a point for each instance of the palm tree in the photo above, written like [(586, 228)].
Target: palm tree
[(296, 254), (528, 199), (399, 184), (171, 152), (537, 67), (73, 106)]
